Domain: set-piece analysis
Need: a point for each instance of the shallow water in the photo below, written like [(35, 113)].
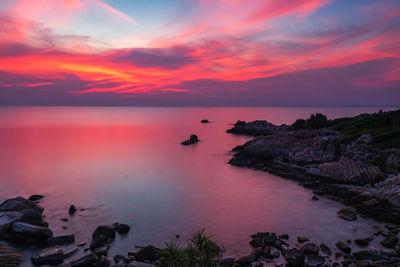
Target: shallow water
[(126, 164)]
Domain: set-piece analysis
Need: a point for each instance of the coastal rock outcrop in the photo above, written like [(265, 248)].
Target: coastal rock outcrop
[(192, 140), (346, 169)]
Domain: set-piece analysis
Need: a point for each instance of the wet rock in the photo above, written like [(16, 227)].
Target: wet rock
[(61, 240), (102, 236), (364, 242), (192, 140), (120, 259), (51, 256), (245, 261), (148, 253), (302, 239), (7, 218), (16, 204), (26, 229), (101, 251), (294, 257), (343, 247), (325, 249), (205, 121), (35, 197), (262, 239), (389, 241), (9, 256), (88, 260), (103, 261), (371, 255), (121, 228), (81, 244), (347, 214), (310, 248), (70, 252), (284, 236), (227, 262), (72, 210), (315, 261), (315, 198), (33, 215)]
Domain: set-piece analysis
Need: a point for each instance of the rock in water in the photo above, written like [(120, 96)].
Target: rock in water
[(32, 230), (148, 253), (347, 214), (310, 248), (315, 261), (88, 260), (121, 228), (102, 236), (61, 240), (7, 218), (294, 257), (9, 256), (35, 197), (390, 241), (205, 121), (72, 210), (51, 256), (343, 247), (192, 140)]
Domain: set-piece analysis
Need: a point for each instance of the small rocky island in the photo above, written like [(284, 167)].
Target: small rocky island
[(353, 160)]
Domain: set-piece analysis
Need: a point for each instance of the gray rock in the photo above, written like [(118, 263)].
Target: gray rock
[(315, 261), (88, 260), (32, 230), (347, 214), (51, 256), (7, 218), (61, 240), (102, 236), (343, 247)]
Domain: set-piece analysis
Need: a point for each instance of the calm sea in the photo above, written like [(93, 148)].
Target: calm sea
[(126, 164)]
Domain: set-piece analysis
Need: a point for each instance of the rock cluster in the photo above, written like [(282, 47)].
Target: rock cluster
[(327, 162)]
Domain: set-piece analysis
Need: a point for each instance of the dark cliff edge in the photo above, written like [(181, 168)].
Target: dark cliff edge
[(353, 160)]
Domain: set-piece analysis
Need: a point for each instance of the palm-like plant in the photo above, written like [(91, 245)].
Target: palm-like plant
[(206, 251), (171, 256)]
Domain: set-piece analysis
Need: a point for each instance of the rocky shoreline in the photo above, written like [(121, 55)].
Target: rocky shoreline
[(328, 163)]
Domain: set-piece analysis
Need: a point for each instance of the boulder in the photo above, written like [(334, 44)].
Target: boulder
[(362, 242), (343, 247), (148, 253), (51, 256), (325, 249), (7, 218), (315, 261), (302, 239), (310, 248), (16, 204), (294, 258), (121, 228), (205, 121), (371, 255), (88, 260), (35, 197), (61, 240), (31, 230), (389, 241), (347, 214), (192, 140), (72, 210), (102, 236)]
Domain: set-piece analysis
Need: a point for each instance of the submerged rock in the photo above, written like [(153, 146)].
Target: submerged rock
[(192, 140), (61, 240)]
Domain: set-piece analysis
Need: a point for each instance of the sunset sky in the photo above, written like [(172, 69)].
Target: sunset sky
[(199, 52)]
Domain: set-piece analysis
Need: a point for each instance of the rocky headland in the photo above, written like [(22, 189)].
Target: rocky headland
[(353, 160)]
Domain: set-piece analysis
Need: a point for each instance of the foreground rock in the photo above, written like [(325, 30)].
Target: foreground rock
[(9, 256), (51, 256), (327, 162), (192, 140), (102, 236)]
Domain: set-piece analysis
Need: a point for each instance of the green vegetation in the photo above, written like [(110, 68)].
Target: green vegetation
[(316, 121), (384, 127), (201, 251)]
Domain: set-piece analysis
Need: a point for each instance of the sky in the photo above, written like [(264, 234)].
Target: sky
[(200, 52)]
